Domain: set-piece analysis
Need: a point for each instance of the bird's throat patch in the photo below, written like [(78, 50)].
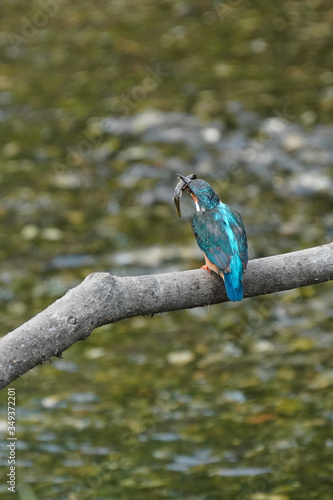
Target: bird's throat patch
[(195, 199)]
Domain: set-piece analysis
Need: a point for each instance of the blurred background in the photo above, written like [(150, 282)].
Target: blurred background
[(101, 104)]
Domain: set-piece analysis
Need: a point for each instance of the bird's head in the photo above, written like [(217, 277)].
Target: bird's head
[(203, 196)]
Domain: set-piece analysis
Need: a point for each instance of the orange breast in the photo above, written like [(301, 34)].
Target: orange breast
[(212, 266)]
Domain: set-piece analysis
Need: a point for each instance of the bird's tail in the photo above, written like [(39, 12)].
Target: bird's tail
[(233, 280)]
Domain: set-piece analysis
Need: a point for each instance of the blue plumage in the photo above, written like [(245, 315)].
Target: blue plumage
[(220, 234), (233, 280)]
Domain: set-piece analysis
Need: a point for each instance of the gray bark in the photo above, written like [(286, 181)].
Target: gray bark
[(103, 298)]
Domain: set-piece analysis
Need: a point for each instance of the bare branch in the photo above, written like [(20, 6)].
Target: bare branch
[(103, 298)]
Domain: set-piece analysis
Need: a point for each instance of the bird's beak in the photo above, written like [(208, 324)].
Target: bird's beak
[(187, 180)]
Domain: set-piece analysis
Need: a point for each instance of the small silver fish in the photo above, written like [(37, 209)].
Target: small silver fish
[(180, 187)]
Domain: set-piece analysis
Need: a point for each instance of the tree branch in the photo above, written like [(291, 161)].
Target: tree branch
[(103, 298)]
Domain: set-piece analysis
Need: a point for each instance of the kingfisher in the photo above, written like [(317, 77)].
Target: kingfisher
[(220, 233)]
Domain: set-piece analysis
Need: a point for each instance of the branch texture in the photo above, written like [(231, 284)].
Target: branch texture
[(103, 298)]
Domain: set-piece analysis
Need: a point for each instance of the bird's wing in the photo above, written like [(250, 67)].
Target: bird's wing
[(212, 238), (237, 225)]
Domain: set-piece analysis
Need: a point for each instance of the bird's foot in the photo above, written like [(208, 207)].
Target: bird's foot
[(206, 268)]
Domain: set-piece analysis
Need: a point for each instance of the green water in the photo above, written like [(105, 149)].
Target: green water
[(233, 401)]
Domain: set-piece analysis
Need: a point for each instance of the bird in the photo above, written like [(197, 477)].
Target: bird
[(220, 234)]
